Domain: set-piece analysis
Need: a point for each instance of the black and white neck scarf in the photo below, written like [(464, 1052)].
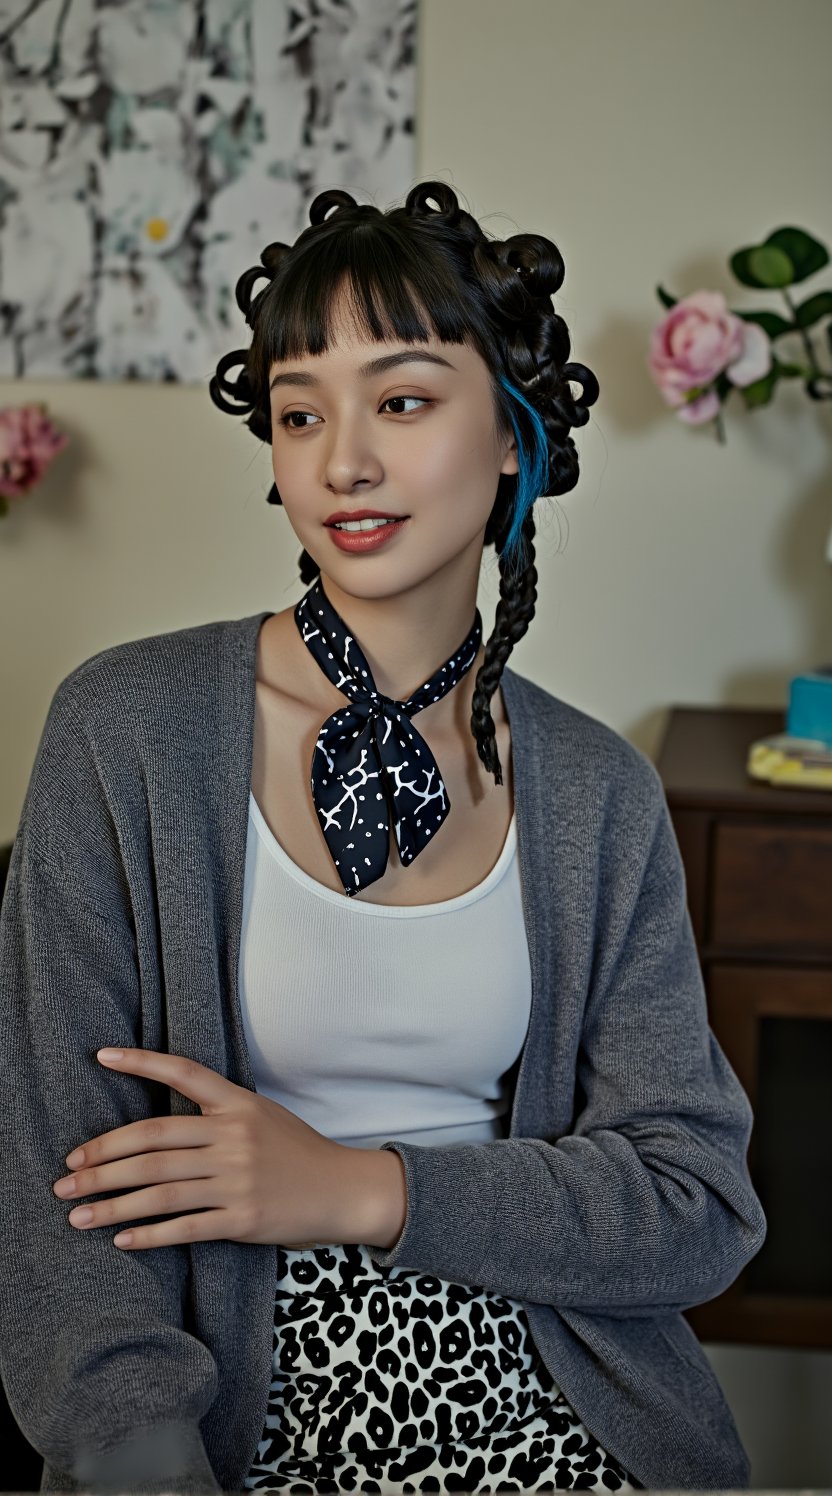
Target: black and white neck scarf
[(368, 752)]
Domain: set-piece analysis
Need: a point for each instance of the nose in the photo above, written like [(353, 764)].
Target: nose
[(350, 458)]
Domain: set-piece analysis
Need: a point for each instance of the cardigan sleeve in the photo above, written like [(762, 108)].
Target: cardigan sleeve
[(647, 1204), (116, 1394)]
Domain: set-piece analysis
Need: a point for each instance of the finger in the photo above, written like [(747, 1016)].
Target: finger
[(151, 1133), (209, 1090), (160, 1199), (143, 1169), (212, 1225), (139, 1237)]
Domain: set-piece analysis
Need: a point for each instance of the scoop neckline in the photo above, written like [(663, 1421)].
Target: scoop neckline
[(395, 911)]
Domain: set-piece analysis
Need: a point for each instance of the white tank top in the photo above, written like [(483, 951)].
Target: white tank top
[(373, 1022)]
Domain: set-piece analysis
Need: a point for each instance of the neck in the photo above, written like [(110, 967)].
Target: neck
[(405, 641)]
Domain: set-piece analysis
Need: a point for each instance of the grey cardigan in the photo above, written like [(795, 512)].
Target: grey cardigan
[(620, 1196)]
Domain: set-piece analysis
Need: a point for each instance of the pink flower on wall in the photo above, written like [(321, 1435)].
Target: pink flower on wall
[(702, 351), (28, 443), (698, 340)]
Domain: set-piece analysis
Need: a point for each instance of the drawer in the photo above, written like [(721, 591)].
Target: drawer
[(772, 886)]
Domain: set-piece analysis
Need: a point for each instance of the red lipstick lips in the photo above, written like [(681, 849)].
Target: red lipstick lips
[(359, 541)]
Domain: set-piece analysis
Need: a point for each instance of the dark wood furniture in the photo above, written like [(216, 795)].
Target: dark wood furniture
[(758, 865)]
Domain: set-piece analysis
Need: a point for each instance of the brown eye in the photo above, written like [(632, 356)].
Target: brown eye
[(391, 398), (286, 420)]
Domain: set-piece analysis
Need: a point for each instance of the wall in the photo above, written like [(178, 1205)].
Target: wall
[(649, 140)]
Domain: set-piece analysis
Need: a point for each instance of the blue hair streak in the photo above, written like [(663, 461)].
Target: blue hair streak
[(532, 474)]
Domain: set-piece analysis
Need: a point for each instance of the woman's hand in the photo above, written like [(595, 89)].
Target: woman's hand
[(256, 1170)]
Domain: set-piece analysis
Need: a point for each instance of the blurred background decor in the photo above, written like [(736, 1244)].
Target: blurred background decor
[(150, 148), (29, 442), (699, 353), (701, 350)]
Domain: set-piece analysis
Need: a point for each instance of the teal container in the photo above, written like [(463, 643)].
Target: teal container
[(810, 706)]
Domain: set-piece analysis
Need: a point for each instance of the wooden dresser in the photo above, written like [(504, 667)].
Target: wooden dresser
[(758, 866)]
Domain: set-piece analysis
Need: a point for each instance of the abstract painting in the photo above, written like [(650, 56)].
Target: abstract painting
[(150, 149)]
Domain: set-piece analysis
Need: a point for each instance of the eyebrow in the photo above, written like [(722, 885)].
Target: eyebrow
[(369, 370)]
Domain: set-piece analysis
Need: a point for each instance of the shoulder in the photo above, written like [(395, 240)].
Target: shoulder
[(568, 749), (552, 725), (166, 670), (152, 709)]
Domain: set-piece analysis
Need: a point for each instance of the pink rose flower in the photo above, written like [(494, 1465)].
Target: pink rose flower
[(698, 340), (28, 443)]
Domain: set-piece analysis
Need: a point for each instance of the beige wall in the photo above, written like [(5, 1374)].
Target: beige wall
[(649, 140)]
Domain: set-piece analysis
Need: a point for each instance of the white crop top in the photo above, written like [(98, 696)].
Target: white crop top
[(377, 1021)]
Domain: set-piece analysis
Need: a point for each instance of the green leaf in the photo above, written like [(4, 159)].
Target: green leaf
[(761, 391), (771, 323), (787, 256), (665, 298), (811, 311), (807, 254), (765, 267), (794, 371)]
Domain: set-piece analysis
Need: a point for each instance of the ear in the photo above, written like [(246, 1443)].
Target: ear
[(510, 463)]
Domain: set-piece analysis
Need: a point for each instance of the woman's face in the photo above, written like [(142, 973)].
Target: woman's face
[(413, 438)]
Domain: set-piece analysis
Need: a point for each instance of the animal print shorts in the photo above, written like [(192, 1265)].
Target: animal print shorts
[(388, 1380)]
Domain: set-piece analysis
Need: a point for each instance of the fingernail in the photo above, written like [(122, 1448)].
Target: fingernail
[(110, 1054), (74, 1159), (81, 1215)]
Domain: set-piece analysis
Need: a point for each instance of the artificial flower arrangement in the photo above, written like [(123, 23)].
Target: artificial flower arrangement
[(698, 354), (702, 350), (28, 443)]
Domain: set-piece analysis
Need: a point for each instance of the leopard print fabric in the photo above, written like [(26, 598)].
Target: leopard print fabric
[(388, 1380)]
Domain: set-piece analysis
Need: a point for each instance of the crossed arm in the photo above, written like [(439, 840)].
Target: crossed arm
[(253, 1170)]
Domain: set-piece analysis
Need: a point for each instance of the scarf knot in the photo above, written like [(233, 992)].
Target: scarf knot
[(369, 764)]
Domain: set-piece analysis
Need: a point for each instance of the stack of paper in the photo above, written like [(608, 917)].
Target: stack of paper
[(799, 763)]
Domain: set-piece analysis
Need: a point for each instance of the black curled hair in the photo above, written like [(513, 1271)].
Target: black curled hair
[(412, 271)]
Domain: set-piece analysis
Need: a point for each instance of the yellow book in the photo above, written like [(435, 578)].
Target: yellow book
[(798, 763)]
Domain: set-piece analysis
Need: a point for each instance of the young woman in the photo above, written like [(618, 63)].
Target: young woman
[(408, 931)]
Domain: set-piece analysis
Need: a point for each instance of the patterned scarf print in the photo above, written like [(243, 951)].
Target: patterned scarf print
[(367, 753)]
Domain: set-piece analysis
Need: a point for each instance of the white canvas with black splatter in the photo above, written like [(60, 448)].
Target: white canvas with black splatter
[(150, 149)]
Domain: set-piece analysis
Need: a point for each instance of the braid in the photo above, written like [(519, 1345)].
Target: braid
[(515, 611), (428, 266)]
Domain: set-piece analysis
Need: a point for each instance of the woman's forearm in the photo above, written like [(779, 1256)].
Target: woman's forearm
[(375, 1197)]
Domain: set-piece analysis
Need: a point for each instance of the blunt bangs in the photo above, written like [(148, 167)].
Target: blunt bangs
[(397, 290)]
